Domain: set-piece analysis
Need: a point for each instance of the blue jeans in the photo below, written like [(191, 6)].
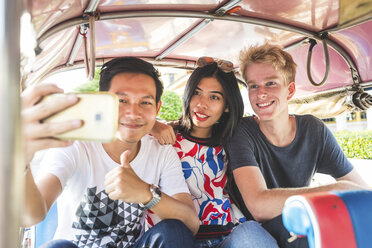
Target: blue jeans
[(245, 235), (166, 234)]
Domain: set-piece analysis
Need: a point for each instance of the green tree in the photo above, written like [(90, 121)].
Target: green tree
[(171, 107), (356, 144), (91, 86)]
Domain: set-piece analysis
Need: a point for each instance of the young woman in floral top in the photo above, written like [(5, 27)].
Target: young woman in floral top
[(212, 108)]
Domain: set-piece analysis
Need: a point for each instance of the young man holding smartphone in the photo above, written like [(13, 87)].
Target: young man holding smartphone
[(104, 190), (273, 154)]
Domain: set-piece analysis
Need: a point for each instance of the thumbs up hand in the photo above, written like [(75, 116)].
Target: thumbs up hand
[(124, 159), (122, 183)]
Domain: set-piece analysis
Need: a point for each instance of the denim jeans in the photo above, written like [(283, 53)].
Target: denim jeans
[(166, 234), (249, 234)]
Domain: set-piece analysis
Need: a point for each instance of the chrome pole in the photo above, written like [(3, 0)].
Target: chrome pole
[(11, 156)]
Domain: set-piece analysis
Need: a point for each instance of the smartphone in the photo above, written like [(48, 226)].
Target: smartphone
[(98, 111)]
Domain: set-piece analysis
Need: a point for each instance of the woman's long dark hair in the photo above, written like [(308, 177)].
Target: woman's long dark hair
[(222, 130)]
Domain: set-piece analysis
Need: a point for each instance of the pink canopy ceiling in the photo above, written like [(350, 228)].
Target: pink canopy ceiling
[(166, 33)]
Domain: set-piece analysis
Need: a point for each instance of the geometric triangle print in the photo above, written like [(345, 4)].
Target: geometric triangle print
[(93, 213), (90, 221), (128, 207), (134, 208), (105, 199), (127, 215), (96, 199), (102, 222), (106, 219), (91, 191), (103, 210), (111, 205), (102, 196), (135, 213), (95, 206)]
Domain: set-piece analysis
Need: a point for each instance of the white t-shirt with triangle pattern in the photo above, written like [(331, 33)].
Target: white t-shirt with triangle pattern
[(85, 213)]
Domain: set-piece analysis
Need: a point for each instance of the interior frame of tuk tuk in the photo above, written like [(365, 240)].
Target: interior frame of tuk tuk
[(329, 40)]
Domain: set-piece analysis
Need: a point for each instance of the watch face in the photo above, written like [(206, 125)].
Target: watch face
[(157, 191)]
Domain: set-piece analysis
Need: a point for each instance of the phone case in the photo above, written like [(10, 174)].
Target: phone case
[(99, 112)]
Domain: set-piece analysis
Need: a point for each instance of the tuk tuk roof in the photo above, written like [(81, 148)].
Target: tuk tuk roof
[(176, 33)]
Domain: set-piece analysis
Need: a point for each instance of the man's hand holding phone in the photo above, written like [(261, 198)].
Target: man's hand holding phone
[(54, 119), (98, 111), (39, 135)]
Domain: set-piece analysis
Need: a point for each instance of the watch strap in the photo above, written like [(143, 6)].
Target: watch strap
[(156, 196)]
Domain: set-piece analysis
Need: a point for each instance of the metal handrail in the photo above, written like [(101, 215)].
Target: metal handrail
[(308, 63), (92, 50), (183, 39), (77, 44)]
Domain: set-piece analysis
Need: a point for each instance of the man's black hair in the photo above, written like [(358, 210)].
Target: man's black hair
[(129, 65)]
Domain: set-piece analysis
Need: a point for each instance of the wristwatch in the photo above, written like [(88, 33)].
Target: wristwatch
[(156, 196)]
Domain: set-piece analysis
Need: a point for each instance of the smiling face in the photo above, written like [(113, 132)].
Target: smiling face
[(137, 105), (206, 107), (268, 92)]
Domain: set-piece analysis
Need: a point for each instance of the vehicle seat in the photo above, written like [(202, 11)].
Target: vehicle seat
[(331, 219), (45, 230)]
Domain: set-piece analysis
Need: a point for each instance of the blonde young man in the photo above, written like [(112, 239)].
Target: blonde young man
[(105, 190), (273, 154)]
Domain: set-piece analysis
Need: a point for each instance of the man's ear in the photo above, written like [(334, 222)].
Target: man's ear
[(291, 90), (158, 105)]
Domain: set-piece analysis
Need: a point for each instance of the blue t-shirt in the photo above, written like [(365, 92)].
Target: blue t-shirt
[(314, 149)]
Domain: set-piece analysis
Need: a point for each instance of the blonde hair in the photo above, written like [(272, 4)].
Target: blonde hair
[(268, 54)]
